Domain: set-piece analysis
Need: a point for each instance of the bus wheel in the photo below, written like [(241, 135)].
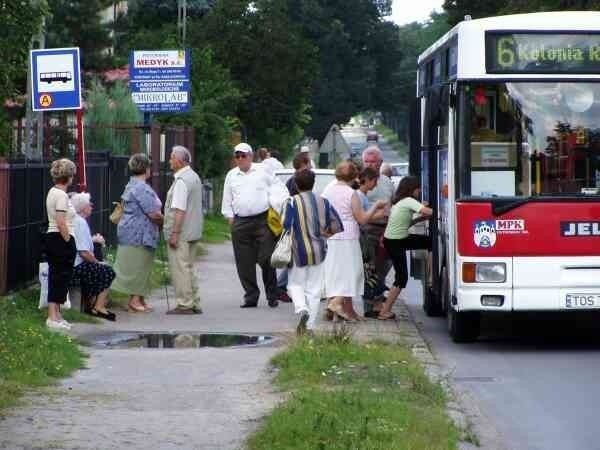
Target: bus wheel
[(431, 302), (463, 326)]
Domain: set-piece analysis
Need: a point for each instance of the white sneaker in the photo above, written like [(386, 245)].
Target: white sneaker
[(57, 325), (68, 324)]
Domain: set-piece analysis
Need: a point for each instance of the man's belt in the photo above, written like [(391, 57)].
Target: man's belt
[(251, 217)]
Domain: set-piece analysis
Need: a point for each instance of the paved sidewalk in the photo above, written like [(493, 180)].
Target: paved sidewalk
[(180, 399)]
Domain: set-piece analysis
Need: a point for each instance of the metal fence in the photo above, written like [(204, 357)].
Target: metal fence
[(24, 184), (56, 137)]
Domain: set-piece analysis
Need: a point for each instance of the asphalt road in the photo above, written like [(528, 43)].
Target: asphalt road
[(356, 139), (534, 379)]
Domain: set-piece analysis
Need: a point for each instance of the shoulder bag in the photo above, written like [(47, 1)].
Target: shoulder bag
[(274, 221), (282, 255), (117, 213)]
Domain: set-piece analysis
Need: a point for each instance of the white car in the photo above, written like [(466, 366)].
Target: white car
[(322, 177), (399, 171)]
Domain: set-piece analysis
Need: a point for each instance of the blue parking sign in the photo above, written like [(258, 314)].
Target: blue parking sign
[(55, 79)]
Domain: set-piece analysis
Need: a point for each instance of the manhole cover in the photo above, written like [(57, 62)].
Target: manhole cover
[(178, 340)]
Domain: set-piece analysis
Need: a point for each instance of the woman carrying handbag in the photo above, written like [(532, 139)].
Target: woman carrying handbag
[(138, 235), (310, 220)]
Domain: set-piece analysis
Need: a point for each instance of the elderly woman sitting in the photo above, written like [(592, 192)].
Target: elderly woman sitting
[(94, 276)]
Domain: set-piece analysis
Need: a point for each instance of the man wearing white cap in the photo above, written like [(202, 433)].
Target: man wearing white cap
[(306, 149), (246, 201)]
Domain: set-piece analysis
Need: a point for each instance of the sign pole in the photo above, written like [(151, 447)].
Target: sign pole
[(82, 185)]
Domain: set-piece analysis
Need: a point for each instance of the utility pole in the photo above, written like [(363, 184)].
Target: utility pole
[(182, 21), (37, 41)]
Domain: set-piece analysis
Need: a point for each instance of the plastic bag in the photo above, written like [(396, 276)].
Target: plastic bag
[(282, 255), (43, 277)]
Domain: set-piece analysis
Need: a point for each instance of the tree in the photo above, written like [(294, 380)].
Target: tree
[(458, 9), (270, 61), (413, 38), (108, 109), (19, 21), (388, 54), (358, 57), (215, 95), (215, 100), (79, 24), (148, 22), (520, 6)]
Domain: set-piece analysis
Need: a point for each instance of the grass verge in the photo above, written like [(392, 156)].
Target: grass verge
[(346, 395), (30, 355), (392, 140), (216, 229)]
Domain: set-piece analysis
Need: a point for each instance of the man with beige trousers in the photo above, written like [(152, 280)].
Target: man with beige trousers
[(183, 229)]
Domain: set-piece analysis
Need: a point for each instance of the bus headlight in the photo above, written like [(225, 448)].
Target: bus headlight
[(490, 273), (484, 272)]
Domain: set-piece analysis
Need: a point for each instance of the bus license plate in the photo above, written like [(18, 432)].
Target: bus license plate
[(582, 301)]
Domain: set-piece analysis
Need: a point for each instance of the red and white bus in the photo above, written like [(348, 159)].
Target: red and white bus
[(506, 136)]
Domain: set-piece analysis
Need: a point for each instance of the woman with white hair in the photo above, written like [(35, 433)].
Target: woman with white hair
[(94, 276)]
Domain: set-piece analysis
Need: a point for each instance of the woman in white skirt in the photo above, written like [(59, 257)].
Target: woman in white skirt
[(344, 276)]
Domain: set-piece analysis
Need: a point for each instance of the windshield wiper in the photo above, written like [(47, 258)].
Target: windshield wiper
[(504, 205)]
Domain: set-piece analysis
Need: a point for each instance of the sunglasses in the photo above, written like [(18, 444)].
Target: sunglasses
[(240, 155)]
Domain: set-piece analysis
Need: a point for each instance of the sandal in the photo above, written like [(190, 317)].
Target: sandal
[(104, 315), (136, 308), (387, 316)]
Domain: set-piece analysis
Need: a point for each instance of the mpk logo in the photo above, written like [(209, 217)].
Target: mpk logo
[(484, 233)]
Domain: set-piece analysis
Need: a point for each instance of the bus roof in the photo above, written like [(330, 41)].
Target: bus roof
[(470, 35)]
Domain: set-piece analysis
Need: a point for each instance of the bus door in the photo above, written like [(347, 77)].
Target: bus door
[(434, 170)]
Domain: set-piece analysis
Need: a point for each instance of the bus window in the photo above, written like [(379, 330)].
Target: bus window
[(437, 70), (530, 138), (452, 60), (442, 130), (422, 80)]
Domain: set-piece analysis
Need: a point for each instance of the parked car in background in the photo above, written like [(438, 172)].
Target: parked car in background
[(372, 136), (322, 177), (399, 171)]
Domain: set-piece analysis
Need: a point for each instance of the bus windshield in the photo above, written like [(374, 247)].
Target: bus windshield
[(526, 139)]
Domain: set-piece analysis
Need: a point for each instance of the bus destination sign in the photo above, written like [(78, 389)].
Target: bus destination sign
[(542, 53)]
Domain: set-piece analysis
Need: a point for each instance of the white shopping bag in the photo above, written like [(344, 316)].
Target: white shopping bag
[(43, 277)]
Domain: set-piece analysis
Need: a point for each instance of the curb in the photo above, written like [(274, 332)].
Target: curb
[(476, 432), (404, 330)]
